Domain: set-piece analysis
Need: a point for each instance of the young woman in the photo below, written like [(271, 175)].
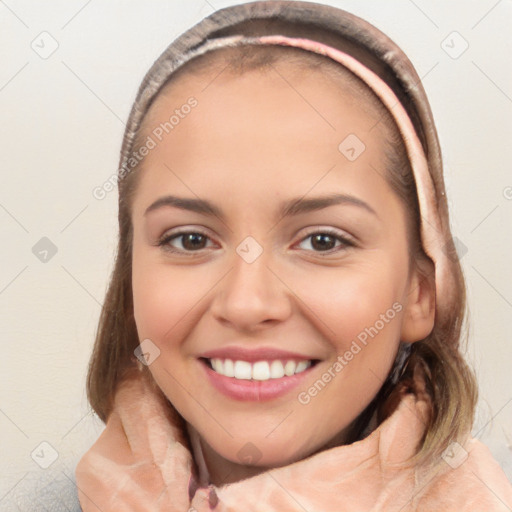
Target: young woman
[(282, 327)]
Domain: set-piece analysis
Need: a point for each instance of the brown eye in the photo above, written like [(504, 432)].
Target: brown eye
[(325, 241), (193, 241), (190, 241)]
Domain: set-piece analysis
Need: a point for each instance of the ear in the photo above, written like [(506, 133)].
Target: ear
[(419, 312)]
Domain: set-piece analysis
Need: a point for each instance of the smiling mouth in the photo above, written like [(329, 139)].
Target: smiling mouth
[(258, 370)]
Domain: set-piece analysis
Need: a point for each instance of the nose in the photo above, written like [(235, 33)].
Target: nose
[(252, 295)]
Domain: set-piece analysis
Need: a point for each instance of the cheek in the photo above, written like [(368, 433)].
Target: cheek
[(353, 301), (165, 301), (162, 297), (359, 314)]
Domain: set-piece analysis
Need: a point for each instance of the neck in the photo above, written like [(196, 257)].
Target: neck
[(223, 471), (217, 470)]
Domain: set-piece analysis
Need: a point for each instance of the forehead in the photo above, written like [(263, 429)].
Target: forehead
[(275, 127)]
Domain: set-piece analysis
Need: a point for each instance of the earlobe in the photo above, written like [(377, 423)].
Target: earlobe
[(419, 313)]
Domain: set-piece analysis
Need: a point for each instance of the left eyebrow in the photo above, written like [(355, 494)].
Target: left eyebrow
[(298, 205), (291, 207)]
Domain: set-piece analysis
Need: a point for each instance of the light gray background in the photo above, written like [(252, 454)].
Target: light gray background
[(62, 119)]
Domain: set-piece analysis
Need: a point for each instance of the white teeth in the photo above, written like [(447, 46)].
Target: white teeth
[(302, 366), (229, 368), (260, 370), (242, 370), (218, 365), (276, 370), (289, 368)]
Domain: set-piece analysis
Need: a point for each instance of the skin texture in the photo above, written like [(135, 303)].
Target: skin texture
[(250, 143)]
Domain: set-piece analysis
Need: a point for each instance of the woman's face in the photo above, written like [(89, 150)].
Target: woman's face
[(277, 273)]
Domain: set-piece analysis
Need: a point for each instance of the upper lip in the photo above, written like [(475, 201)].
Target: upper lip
[(238, 353)]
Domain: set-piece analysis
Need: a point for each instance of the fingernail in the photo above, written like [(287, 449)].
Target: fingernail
[(192, 486), (213, 499)]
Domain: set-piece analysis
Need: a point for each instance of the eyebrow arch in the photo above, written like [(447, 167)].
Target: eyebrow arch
[(291, 207)]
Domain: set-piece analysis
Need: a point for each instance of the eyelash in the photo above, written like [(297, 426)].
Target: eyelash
[(346, 242)]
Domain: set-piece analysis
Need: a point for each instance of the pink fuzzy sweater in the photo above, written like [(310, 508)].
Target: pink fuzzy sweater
[(142, 461)]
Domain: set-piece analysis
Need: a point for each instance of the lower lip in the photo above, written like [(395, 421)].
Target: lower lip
[(254, 390)]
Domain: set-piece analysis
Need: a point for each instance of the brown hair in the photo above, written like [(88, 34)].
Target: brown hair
[(435, 362)]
